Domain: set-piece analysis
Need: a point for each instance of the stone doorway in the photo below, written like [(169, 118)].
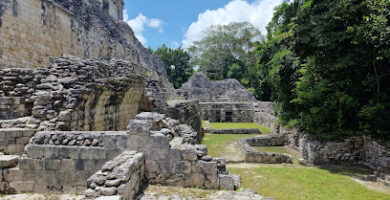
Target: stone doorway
[(228, 117)]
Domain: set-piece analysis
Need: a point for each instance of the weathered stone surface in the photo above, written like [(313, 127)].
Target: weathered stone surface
[(8, 161), (122, 175), (254, 156)]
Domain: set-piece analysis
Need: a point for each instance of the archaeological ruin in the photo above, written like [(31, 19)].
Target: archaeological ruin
[(86, 109)]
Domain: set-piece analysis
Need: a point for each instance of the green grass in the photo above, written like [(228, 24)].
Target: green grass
[(262, 129), (294, 182), (272, 149), (217, 144)]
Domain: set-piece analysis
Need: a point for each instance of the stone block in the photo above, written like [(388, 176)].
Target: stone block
[(13, 174), (92, 153), (226, 182), (113, 152), (141, 142), (160, 154), (209, 168), (151, 166), (161, 142), (22, 140), (22, 186), (109, 142), (139, 127), (52, 164), (35, 151), (183, 167), (8, 161), (28, 132), (175, 154), (108, 191), (121, 141), (189, 154), (51, 152), (212, 182), (194, 180)]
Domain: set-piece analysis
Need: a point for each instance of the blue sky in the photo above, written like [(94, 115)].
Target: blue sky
[(180, 22)]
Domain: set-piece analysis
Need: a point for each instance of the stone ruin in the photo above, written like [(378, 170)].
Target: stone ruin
[(105, 121), (86, 125), (225, 101)]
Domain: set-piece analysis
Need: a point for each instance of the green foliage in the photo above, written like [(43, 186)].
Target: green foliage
[(326, 66), (177, 64), (345, 87), (226, 52)]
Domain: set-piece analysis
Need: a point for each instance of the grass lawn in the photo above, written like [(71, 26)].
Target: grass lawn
[(223, 145), (262, 129), (294, 182)]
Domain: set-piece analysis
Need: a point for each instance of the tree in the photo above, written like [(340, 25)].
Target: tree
[(345, 84), (226, 52), (177, 64), (326, 64)]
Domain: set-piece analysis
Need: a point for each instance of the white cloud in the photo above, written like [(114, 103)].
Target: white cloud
[(175, 45), (141, 22), (259, 13)]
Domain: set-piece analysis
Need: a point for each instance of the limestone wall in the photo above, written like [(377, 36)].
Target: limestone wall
[(355, 150), (201, 88), (31, 31), (251, 155), (174, 160), (227, 111), (13, 107), (75, 94), (13, 140), (62, 161), (264, 115)]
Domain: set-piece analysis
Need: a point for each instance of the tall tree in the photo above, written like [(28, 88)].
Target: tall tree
[(226, 52), (177, 64), (345, 84)]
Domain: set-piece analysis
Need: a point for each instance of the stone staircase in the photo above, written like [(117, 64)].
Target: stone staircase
[(11, 176), (16, 124)]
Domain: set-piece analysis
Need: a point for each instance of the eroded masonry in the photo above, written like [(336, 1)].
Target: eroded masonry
[(105, 121), (79, 124)]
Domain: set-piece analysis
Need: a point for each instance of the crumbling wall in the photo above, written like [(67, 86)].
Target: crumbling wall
[(172, 159), (264, 115), (227, 111), (251, 155), (122, 176), (201, 88), (62, 161), (74, 94), (31, 31)]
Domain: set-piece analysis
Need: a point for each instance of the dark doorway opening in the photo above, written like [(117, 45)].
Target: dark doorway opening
[(228, 117), (218, 116)]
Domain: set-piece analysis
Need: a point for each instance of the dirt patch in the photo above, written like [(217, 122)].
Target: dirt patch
[(372, 185), (235, 153)]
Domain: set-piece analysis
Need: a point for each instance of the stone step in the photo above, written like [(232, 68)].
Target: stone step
[(23, 122), (8, 161), (109, 198), (13, 140), (17, 132)]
